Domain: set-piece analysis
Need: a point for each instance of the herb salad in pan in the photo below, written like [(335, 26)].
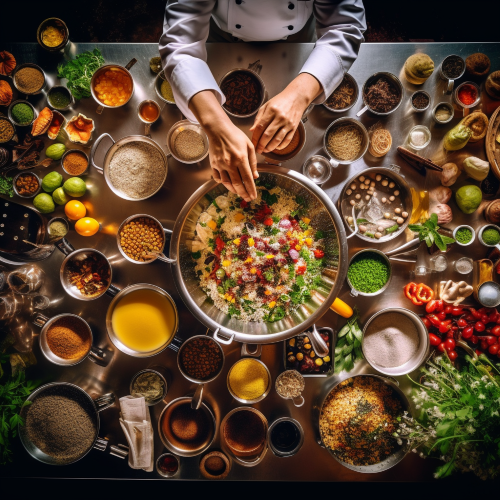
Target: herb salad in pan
[(258, 261)]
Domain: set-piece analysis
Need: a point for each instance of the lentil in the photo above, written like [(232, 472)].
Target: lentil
[(189, 145), (27, 184), (242, 91), (29, 80), (463, 235), (22, 113), (290, 384), (201, 358), (68, 338), (59, 98), (358, 419), (140, 238), (6, 131), (75, 163), (368, 272), (248, 379), (166, 91)]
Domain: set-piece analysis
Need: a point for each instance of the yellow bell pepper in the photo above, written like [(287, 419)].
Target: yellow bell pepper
[(212, 225)]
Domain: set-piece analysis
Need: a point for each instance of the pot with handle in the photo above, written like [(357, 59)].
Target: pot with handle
[(324, 217)]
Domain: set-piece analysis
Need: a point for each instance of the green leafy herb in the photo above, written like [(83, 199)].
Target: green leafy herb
[(348, 348), (230, 283), (220, 221), (319, 235), (79, 72), (361, 221), (6, 186), (269, 198), (303, 225), (196, 255), (428, 232)]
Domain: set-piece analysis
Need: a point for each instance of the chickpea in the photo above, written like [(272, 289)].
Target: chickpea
[(391, 184), (400, 220), (353, 186), (391, 198), (350, 220), (396, 193), (378, 177), (358, 196), (352, 202), (367, 197), (404, 215), (362, 229), (367, 181), (384, 200), (348, 192), (362, 178), (372, 184), (378, 235), (387, 215), (385, 182), (397, 210)]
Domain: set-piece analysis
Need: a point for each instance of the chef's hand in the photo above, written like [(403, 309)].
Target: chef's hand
[(232, 155), (278, 119)]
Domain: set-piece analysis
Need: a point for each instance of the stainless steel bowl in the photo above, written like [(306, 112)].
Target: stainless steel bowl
[(279, 159), (156, 372), (421, 354), (176, 129), (79, 151), (171, 442), (21, 174), (29, 65), (58, 24), (323, 215), (262, 88), (372, 79), (250, 401), (71, 98), (378, 292), (4, 118), (353, 82), (364, 146), (11, 118), (295, 450), (403, 200), (160, 78)]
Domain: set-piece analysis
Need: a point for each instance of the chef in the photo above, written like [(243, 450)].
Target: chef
[(189, 23)]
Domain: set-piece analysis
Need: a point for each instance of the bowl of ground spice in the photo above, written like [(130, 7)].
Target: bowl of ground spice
[(29, 79), (26, 184), (382, 94), (420, 101), (245, 92), (164, 89), (346, 140), (249, 381), (53, 34), (22, 113), (464, 235), (215, 465), (65, 340), (60, 98), (395, 341), (7, 130), (149, 384), (344, 97), (75, 162), (187, 142)]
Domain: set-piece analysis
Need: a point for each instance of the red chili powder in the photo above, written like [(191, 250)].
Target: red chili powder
[(467, 95)]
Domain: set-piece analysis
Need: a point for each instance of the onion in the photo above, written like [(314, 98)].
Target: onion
[(285, 224)]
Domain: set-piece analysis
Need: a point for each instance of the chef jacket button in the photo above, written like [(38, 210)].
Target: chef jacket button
[(238, 2), (290, 27), (291, 6), (238, 26)]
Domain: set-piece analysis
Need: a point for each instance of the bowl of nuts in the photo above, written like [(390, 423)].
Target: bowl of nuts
[(26, 184), (141, 239)]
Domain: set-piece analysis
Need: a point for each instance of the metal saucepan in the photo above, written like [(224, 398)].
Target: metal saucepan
[(404, 200), (355, 292), (392, 459), (185, 449), (109, 155), (394, 79), (173, 343), (198, 395), (111, 67), (94, 408), (323, 215), (94, 353), (355, 96)]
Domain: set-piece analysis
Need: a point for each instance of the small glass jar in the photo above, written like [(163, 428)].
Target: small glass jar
[(439, 263), (464, 265), (419, 137), (317, 169)]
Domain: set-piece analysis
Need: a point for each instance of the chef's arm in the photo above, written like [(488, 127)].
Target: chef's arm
[(340, 25)]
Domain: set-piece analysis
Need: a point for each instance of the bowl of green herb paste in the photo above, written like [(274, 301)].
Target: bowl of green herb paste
[(464, 235), (369, 272)]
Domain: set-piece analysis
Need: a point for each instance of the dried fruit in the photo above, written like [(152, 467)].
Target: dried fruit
[(79, 128), (42, 123), (55, 125), (5, 93), (7, 63)]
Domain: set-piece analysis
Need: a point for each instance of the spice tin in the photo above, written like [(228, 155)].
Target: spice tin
[(250, 401), (32, 195), (420, 110), (209, 474), (156, 372), (450, 109), (60, 25)]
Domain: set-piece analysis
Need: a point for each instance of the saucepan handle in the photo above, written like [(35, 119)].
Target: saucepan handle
[(112, 290), (298, 401), (104, 402), (251, 350), (101, 444), (176, 343), (40, 319), (449, 88), (64, 246), (223, 340), (131, 63), (198, 397), (97, 355), (361, 111), (94, 149), (168, 237)]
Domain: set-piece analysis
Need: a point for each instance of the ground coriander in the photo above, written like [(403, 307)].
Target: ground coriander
[(463, 235)]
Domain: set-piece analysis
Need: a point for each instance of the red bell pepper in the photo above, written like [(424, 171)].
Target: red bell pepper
[(319, 254), (410, 290), (424, 293)]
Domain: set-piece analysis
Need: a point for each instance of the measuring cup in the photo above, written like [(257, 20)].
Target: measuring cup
[(451, 81), (147, 127), (299, 400)]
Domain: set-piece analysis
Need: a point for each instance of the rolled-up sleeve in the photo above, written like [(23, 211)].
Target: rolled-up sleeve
[(183, 52), (340, 25)]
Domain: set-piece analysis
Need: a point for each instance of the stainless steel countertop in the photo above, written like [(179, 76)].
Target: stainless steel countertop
[(280, 62)]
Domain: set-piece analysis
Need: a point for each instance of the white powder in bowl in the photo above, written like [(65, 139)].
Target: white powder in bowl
[(391, 340)]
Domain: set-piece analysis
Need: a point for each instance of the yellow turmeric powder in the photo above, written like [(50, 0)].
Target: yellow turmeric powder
[(52, 37), (248, 379)]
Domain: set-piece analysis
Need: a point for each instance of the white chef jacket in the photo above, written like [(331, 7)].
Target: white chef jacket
[(339, 25)]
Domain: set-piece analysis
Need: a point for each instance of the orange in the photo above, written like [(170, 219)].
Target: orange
[(75, 210), (87, 226)]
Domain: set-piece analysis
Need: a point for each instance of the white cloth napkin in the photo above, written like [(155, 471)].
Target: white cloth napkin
[(136, 424)]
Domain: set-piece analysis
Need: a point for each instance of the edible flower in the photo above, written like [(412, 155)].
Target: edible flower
[(249, 260), (267, 292), (251, 242), (309, 242), (253, 270), (226, 263), (212, 225), (298, 248), (237, 241), (306, 220), (239, 217), (269, 256)]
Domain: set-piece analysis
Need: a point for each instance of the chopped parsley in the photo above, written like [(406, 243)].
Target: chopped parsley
[(196, 255)]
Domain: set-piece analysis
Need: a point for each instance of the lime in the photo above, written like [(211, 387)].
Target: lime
[(60, 196), (55, 151), (44, 203), (75, 187), (468, 198), (51, 181)]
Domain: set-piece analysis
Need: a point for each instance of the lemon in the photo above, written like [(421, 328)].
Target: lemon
[(75, 187), (87, 226), (51, 181), (44, 203), (59, 196), (75, 210)]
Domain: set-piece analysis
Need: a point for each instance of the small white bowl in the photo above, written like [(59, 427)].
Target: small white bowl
[(472, 239), (481, 231)]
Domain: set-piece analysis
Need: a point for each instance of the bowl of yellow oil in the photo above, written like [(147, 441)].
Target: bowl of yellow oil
[(142, 320)]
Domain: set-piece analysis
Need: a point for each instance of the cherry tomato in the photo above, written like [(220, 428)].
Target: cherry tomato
[(434, 339), (268, 222), (450, 334), (434, 306), (462, 323), (443, 327), (496, 330), (493, 317), (319, 254), (485, 318), (427, 323), (453, 355), (474, 339), (435, 321), (478, 352), (484, 345), (448, 309), (493, 349), (441, 347), (467, 332), (457, 311), (479, 327), (449, 344), (468, 317), (441, 316), (491, 340)]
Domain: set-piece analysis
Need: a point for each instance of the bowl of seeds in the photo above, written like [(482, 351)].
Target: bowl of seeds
[(344, 97), (187, 142), (26, 184), (164, 89), (29, 79)]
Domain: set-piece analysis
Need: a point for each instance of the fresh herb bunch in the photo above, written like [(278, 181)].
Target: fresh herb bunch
[(79, 72), (459, 417), (13, 393), (6, 186), (428, 232), (348, 348)]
